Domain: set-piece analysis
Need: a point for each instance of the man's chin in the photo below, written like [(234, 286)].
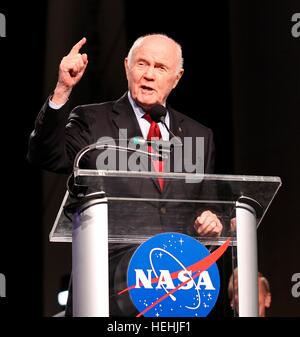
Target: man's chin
[(147, 105)]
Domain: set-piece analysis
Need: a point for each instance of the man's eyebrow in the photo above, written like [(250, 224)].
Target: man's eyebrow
[(141, 59), (161, 64)]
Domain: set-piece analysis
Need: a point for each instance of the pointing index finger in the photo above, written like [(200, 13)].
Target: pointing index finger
[(76, 48)]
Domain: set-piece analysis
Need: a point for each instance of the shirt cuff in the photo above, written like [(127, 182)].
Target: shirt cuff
[(55, 106)]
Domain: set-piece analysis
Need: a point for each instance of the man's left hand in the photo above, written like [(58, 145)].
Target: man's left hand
[(208, 224)]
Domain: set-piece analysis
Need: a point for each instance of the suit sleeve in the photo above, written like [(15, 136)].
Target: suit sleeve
[(57, 138)]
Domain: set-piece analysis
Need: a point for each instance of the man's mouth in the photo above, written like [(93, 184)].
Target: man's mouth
[(146, 88)]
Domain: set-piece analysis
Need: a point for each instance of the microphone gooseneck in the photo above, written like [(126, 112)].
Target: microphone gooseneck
[(158, 114)]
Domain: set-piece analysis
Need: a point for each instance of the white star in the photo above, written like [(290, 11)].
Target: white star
[(181, 241)]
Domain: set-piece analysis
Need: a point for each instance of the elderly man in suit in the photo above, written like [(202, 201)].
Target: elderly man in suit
[(154, 66)]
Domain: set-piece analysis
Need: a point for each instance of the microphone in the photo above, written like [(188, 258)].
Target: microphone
[(79, 190), (104, 146), (158, 114), (160, 145), (140, 141)]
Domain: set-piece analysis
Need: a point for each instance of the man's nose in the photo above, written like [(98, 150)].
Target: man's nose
[(149, 73)]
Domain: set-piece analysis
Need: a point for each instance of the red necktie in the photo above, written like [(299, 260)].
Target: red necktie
[(154, 134)]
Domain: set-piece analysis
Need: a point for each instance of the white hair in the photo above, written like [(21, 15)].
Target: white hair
[(139, 40)]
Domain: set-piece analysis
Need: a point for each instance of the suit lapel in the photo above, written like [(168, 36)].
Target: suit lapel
[(124, 118), (126, 122), (176, 123)]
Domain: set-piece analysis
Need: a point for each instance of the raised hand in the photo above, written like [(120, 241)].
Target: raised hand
[(71, 69)]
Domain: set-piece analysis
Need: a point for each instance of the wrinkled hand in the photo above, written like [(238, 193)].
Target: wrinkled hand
[(71, 69), (208, 224)]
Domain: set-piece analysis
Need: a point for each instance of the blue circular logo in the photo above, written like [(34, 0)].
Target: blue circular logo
[(167, 277)]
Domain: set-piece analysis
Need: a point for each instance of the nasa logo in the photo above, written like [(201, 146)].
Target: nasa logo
[(167, 278)]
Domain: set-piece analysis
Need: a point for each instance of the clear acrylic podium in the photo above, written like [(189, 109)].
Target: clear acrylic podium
[(111, 209)]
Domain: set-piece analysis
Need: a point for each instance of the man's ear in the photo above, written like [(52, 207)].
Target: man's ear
[(126, 66), (178, 77), (268, 299)]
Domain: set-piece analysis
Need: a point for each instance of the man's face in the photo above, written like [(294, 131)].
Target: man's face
[(153, 71), (264, 298)]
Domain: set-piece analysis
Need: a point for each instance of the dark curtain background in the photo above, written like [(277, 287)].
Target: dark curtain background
[(241, 79), (266, 100)]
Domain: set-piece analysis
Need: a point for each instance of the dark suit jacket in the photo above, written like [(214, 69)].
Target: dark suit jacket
[(57, 138)]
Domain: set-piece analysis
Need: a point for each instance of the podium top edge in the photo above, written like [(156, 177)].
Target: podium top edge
[(227, 177)]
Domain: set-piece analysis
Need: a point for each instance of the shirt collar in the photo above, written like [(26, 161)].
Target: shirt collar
[(139, 112)]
